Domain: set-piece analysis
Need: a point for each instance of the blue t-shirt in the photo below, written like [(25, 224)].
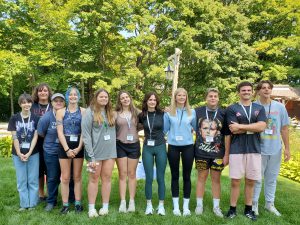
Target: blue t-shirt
[(47, 129), (277, 117), (245, 143)]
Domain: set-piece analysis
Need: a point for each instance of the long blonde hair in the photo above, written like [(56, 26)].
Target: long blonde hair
[(174, 104), (95, 107)]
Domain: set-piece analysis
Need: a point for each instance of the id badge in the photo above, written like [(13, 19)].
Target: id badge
[(106, 137), (250, 132), (129, 137), (73, 138), (179, 138), (268, 131), (209, 138), (25, 145), (150, 142)]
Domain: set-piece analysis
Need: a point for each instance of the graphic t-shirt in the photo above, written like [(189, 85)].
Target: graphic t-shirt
[(277, 117), (47, 128), (211, 128), (39, 109), (246, 142), (25, 131)]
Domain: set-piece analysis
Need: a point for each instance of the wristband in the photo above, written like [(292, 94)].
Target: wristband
[(67, 150)]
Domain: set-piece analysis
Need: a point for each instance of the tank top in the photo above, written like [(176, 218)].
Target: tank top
[(72, 122)]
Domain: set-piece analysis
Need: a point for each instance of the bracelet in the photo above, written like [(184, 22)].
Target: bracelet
[(67, 150)]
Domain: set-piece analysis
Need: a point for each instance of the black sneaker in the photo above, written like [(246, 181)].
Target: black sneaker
[(231, 214), (78, 208), (251, 215), (65, 210)]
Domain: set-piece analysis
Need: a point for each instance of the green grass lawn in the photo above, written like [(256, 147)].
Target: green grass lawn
[(287, 202)]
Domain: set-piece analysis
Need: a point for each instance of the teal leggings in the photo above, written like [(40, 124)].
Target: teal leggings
[(159, 154)]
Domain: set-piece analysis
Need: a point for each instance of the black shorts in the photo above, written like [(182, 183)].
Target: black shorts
[(205, 164), (132, 151), (72, 144), (42, 167)]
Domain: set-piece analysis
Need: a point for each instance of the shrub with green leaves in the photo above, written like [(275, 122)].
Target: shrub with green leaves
[(291, 169), (5, 146)]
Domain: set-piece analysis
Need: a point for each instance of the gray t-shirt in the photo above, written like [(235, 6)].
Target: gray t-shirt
[(277, 117), (99, 140)]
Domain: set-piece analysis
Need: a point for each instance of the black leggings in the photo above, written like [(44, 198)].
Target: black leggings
[(187, 155)]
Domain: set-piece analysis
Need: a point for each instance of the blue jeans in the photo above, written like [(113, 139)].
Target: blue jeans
[(28, 180), (53, 176)]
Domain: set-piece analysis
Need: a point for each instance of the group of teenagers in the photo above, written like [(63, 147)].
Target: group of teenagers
[(52, 135)]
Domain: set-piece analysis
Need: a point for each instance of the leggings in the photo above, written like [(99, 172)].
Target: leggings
[(159, 154), (187, 157)]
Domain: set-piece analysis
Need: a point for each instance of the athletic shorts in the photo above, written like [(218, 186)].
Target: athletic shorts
[(245, 165), (72, 145), (205, 164), (132, 151)]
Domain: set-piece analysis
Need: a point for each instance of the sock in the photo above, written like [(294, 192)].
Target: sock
[(216, 203), (161, 204), (233, 208), (131, 201), (199, 202), (175, 203), (77, 202), (248, 208), (149, 202), (91, 206), (105, 206), (66, 204), (186, 202)]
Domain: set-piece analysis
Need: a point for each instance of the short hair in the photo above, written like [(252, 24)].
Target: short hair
[(243, 84), (25, 98), (262, 82), (208, 90)]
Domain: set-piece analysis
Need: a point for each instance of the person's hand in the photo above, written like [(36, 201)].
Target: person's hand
[(225, 160), (287, 155), (22, 157), (26, 156), (70, 154), (167, 109)]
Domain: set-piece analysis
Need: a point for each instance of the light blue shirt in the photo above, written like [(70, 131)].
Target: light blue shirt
[(277, 118), (179, 128)]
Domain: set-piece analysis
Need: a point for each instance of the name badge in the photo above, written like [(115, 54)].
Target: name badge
[(106, 137), (129, 137), (150, 142), (179, 138), (73, 138), (268, 131), (25, 145), (209, 138), (250, 132)]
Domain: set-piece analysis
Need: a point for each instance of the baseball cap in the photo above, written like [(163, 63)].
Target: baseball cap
[(56, 95)]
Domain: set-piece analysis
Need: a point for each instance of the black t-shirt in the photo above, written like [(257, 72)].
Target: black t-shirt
[(245, 143), (24, 134), (156, 121), (210, 133)]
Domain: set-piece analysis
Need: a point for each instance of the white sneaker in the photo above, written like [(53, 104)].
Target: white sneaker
[(131, 207), (199, 210), (161, 211), (176, 212), (93, 213), (255, 209), (103, 212), (271, 208), (122, 208), (218, 212), (186, 212), (149, 210)]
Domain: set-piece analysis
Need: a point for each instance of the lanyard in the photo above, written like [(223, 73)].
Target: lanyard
[(180, 117), (128, 119), (26, 128), (211, 122), (46, 108), (105, 121), (268, 116), (151, 127), (250, 110)]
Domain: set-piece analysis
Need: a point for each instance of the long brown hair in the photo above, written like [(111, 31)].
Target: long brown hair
[(174, 104), (38, 88), (119, 107), (146, 98), (95, 107)]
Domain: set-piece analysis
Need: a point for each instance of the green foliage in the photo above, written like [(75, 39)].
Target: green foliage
[(291, 169), (5, 146)]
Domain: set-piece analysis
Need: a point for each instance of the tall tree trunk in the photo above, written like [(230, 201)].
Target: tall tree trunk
[(12, 100), (82, 93)]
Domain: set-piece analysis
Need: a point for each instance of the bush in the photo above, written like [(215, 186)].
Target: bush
[(5, 146), (291, 169)]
